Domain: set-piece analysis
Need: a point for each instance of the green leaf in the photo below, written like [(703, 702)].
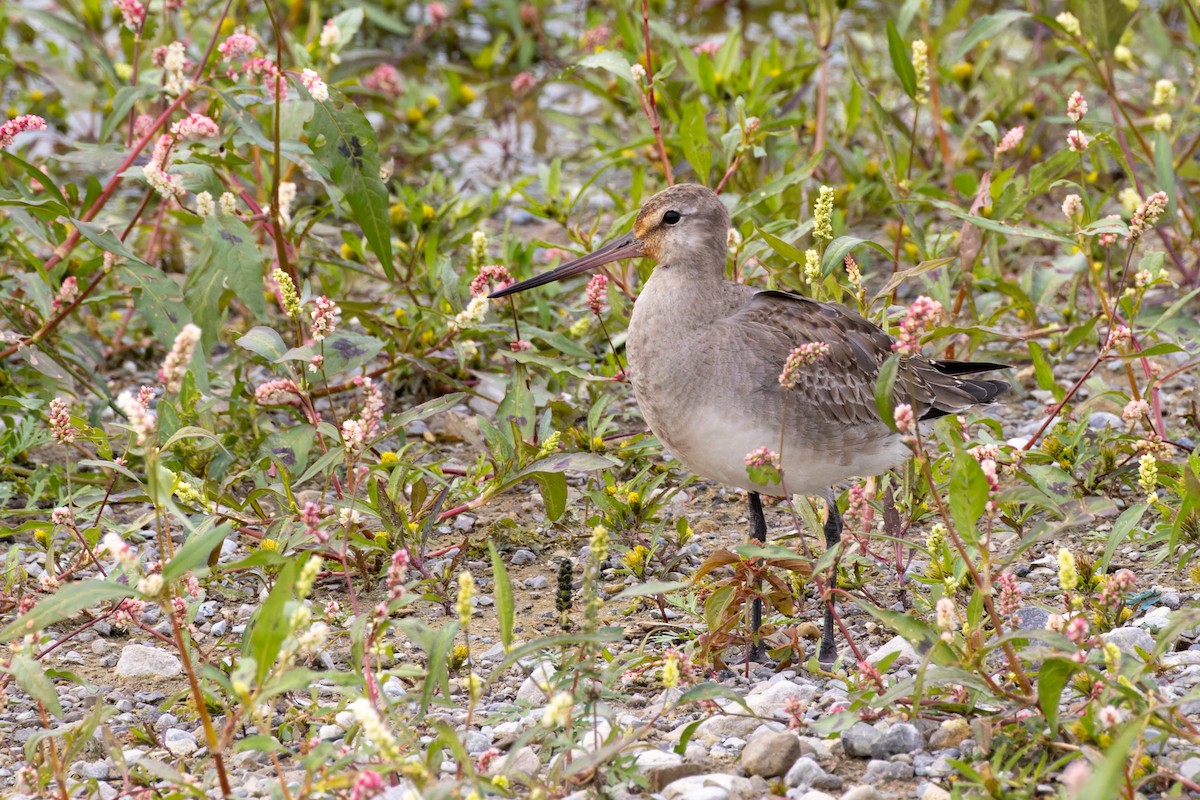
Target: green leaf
[(715, 607), (609, 61), (788, 251), (344, 142), (562, 462), (1052, 679), (839, 248), (437, 671), (885, 390), (158, 298), (65, 603), (32, 679), (988, 27), (1121, 529), (229, 265), (696, 147), (901, 60), (1102, 21), (122, 104), (263, 341), (269, 625), (195, 551), (554, 493), (503, 594), (968, 493), (344, 351), (1042, 371)]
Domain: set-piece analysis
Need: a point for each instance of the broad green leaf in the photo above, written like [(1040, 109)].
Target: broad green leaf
[(1121, 529), (503, 595), (885, 391), (901, 60), (65, 603), (263, 341), (648, 589), (1042, 371), (609, 61), (968, 493), (1052, 678), (344, 142), (32, 679), (343, 350), (1102, 21), (554, 493), (229, 265), (158, 299), (839, 248), (269, 625), (696, 147), (715, 607), (195, 551), (988, 27), (562, 462), (788, 251), (437, 671)]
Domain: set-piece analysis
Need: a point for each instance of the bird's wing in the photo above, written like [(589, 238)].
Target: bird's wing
[(842, 386)]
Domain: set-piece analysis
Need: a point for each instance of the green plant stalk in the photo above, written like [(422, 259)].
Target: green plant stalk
[(649, 105)]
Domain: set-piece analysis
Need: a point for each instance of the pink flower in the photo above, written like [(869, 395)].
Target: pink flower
[(238, 45), (277, 393), (372, 412), (523, 83), (1135, 410), (596, 37), (60, 421), (1118, 335), (904, 418), (438, 13), (1076, 107), (709, 48), (922, 315), (368, 784), (132, 12), (762, 457), (859, 513), (316, 87), (1077, 630), (1109, 239), (325, 316), (1147, 215), (66, 293), (26, 122), (798, 358), (520, 345), (195, 126), (386, 79), (1077, 141), (397, 573), (1011, 140), (1010, 594), (596, 293), (175, 366), (491, 273)]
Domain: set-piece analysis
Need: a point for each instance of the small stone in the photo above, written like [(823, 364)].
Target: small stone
[(1190, 769), (934, 792), (537, 582), (139, 661), (770, 754), (859, 739), (179, 742), (714, 786), (879, 771), (393, 688), (949, 734), (1128, 637), (1032, 618), (219, 627), (1104, 419), (805, 772), (897, 644), (520, 765), (523, 558), (330, 733), (861, 793), (902, 737), (533, 689), (100, 647)]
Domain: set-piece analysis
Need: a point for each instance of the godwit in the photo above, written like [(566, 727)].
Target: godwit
[(705, 356)]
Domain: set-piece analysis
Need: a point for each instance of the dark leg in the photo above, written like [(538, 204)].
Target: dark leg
[(833, 535), (758, 535)]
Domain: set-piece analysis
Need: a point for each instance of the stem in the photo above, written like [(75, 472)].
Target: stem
[(648, 102), (210, 734)]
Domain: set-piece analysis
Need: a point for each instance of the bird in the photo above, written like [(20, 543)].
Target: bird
[(705, 355)]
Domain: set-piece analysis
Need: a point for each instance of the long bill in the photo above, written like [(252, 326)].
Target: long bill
[(628, 246)]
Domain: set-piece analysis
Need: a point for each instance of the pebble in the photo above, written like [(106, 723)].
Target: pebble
[(900, 738), (1128, 637), (770, 754), (533, 688), (139, 661), (523, 558), (879, 771), (714, 786), (806, 773), (1032, 618), (861, 793), (179, 742), (858, 741), (949, 734), (897, 644)]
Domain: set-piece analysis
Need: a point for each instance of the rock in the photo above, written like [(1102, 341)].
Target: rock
[(662, 767), (714, 786), (139, 661), (533, 689), (179, 742), (523, 558), (858, 740), (770, 754), (475, 742), (1172, 600), (949, 734), (520, 765), (330, 733), (1032, 618), (1104, 419), (897, 644), (861, 793), (1190, 769), (883, 771), (934, 792), (805, 773), (900, 738), (774, 697), (93, 769), (393, 688), (721, 727), (815, 795), (1129, 637)]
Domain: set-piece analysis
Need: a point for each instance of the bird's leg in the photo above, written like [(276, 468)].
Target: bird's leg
[(833, 535), (758, 535)]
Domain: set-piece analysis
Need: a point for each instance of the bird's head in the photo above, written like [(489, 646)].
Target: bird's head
[(685, 225)]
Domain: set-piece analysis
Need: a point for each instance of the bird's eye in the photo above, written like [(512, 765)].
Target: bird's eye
[(671, 217)]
